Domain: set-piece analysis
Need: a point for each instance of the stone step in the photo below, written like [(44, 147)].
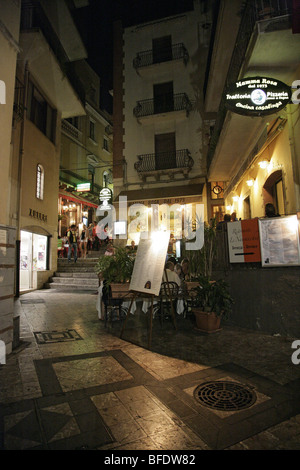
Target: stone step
[(78, 274), (70, 287), (76, 269), (80, 261), (75, 281)]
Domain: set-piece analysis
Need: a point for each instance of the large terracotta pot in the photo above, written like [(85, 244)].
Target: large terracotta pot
[(207, 322)]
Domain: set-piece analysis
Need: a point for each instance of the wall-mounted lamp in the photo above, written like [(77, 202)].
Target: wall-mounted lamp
[(235, 198), (250, 182), (263, 164)]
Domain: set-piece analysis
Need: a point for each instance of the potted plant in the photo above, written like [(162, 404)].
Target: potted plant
[(116, 270), (212, 302)]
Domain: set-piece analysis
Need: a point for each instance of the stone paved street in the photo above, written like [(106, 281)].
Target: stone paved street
[(74, 384)]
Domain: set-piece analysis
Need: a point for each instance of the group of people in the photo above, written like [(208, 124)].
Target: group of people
[(80, 243), (177, 272), (270, 211)]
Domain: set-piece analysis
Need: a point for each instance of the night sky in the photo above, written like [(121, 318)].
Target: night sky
[(95, 26)]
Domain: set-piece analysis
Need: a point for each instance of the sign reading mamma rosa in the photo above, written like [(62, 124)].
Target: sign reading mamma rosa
[(257, 96)]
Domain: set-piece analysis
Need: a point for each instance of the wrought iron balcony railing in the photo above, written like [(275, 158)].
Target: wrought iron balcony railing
[(146, 58), (151, 162), (163, 104)]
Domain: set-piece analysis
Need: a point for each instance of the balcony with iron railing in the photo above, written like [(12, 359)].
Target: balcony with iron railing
[(164, 163), (164, 105), (177, 52)]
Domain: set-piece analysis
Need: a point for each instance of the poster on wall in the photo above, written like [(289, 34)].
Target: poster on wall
[(279, 239), (243, 241), (149, 263)]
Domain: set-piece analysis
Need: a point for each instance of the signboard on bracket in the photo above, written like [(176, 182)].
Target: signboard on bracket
[(105, 197), (257, 96)]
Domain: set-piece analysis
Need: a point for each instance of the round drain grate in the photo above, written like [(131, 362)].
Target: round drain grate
[(224, 395)]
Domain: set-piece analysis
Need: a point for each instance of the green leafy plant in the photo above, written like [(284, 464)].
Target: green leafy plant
[(201, 261), (213, 296), (116, 268)]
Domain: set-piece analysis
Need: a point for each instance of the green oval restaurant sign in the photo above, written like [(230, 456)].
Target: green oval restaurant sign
[(257, 96)]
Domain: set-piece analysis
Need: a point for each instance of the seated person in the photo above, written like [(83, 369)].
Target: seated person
[(185, 269), (170, 274)]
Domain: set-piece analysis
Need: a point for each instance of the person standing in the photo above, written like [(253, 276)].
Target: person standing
[(72, 239), (84, 240)]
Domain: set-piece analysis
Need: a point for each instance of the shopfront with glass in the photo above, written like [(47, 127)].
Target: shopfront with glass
[(34, 257)]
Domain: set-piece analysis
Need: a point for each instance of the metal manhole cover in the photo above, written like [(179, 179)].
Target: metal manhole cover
[(224, 395)]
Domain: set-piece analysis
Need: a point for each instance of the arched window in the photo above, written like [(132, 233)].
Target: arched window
[(39, 182)]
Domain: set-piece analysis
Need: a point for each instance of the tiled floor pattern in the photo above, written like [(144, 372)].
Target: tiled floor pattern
[(104, 393), (107, 401)]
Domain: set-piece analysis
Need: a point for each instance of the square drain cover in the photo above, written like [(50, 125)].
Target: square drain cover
[(46, 337)]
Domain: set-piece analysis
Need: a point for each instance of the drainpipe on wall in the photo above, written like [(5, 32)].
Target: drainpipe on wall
[(20, 166)]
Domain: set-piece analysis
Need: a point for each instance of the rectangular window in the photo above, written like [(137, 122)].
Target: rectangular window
[(92, 130), (105, 144), (41, 113)]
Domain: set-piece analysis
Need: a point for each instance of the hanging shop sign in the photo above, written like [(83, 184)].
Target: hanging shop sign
[(105, 197), (83, 187), (257, 96)]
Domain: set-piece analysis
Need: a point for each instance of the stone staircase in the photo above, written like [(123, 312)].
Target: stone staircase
[(75, 276)]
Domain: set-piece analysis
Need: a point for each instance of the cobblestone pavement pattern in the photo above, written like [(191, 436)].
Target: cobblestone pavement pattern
[(72, 383)]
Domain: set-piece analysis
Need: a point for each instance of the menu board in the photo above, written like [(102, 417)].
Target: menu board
[(243, 241), (149, 263), (279, 240)]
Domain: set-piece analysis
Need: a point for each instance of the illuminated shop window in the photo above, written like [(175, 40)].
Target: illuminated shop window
[(39, 182)]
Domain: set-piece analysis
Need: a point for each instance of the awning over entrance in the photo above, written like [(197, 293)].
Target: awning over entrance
[(165, 195), (76, 199)]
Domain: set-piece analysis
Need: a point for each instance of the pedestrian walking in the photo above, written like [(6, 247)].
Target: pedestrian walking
[(72, 239)]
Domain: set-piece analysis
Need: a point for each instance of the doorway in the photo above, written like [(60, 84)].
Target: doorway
[(163, 97), (165, 151), (33, 257)]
